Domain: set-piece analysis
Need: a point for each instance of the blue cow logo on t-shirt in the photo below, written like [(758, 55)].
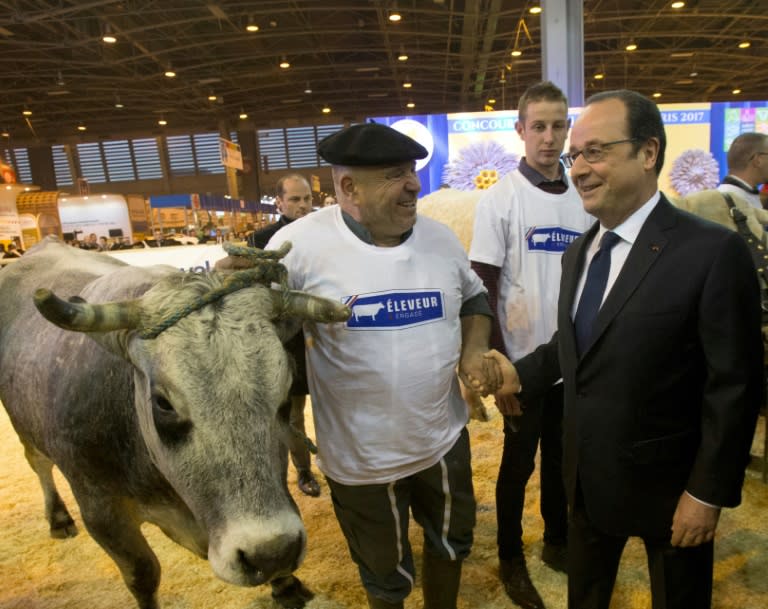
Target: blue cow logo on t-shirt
[(550, 239), (394, 309)]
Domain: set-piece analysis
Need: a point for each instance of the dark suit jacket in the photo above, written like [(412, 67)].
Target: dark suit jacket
[(260, 238), (666, 397), (295, 345)]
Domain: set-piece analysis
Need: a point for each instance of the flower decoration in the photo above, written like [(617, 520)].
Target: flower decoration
[(479, 166), (694, 170)]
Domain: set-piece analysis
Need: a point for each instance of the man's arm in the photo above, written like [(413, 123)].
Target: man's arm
[(490, 275), (730, 335), (475, 370)]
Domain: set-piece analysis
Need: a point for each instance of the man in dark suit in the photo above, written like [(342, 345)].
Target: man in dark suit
[(663, 380), (294, 201)]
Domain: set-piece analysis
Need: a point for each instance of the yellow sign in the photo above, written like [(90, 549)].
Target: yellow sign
[(230, 154)]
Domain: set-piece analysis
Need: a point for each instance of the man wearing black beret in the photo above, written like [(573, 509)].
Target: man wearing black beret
[(389, 418)]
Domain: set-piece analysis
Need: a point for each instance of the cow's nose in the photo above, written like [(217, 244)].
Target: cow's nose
[(254, 552), (260, 565)]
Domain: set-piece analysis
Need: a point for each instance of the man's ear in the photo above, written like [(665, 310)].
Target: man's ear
[(650, 150), (347, 184), (520, 128)]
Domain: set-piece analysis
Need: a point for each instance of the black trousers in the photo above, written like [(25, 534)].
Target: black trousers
[(542, 420), (681, 578)]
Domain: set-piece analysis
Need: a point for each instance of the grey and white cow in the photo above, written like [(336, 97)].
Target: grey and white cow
[(182, 430)]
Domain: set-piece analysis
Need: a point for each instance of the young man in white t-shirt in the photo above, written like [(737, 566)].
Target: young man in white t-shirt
[(523, 224)]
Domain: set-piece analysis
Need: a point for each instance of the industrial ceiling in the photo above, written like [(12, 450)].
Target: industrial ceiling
[(343, 55)]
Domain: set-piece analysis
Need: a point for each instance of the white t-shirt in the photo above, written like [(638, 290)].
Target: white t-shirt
[(385, 395), (524, 231)]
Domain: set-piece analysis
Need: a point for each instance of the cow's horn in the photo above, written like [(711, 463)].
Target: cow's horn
[(84, 317), (290, 303)]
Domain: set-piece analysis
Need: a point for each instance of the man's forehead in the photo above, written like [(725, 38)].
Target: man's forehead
[(598, 121), (545, 109)]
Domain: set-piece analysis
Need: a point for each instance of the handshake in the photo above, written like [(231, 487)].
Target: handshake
[(491, 373)]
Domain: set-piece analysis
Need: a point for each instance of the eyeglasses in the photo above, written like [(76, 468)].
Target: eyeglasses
[(592, 153)]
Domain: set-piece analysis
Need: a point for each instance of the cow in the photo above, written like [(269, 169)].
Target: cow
[(367, 310), (157, 395)]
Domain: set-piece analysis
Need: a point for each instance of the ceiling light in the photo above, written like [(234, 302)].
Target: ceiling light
[(736, 91), (211, 97), (118, 103), (599, 76), (745, 44), (308, 89), (26, 112), (251, 27), (631, 46), (81, 127), (682, 54), (657, 94), (169, 73), (410, 105), (108, 37), (395, 16), (516, 53), (403, 56), (162, 122), (243, 114), (492, 101), (677, 4), (407, 84), (5, 134), (284, 64), (326, 110), (534, 10), (693, 74)]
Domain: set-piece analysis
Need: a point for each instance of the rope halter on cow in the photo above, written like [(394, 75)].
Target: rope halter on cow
[(80, 316), (266, 269)]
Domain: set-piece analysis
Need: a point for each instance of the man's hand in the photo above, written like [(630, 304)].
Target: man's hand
[(510, 384), (506, 395), (694, 522), (233, 263), (479, 373)]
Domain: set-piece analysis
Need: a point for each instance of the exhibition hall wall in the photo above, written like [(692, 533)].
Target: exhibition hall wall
[(470, 150)]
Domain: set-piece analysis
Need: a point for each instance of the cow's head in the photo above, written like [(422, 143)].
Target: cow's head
[(208, 390)]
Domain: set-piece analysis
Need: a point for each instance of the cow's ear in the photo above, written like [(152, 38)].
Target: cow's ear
[(116, 342)]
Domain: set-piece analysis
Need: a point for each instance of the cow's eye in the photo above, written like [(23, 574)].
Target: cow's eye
[(163, 404), (171, 428)]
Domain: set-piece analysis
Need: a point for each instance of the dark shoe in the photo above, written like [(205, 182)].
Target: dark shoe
[(518, 585), (308, 484), (555, 556)]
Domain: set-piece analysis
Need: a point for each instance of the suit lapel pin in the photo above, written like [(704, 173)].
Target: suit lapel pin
[(655, 248)]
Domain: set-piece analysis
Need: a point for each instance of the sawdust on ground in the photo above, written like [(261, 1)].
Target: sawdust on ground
[(37, 572)]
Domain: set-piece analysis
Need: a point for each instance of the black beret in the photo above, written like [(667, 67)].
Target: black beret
[(369, 144)]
